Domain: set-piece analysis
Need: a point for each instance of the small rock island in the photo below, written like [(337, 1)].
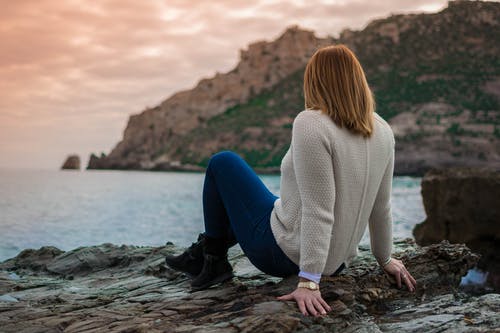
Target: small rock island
[(72, 162)]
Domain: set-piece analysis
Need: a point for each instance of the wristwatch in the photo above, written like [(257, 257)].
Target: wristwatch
[(308, 285)]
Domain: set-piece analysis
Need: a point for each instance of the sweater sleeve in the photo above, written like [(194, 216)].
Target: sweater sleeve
[(380, 221), (313, 168)]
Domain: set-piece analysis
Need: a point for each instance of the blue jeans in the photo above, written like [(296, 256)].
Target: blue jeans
[(237, 207)]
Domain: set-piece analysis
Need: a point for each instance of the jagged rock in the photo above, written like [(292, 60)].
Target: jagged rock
[(95, 161), (109, 288), (33, 260), (72, 163)]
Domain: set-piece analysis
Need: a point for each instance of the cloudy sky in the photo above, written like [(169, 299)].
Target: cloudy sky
[(72, 71)]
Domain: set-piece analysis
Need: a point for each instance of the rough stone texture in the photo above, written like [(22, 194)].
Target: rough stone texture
[(446, 313), (72, 163), (462, 206), (109, 288)]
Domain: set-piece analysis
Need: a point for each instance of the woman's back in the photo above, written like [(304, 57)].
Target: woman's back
[(332, 182)]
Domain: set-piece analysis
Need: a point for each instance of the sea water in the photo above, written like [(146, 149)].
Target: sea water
[(68, 209)]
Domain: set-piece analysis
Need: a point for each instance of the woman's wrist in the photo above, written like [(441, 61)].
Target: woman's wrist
[(386, 262), (301, 279), (315, 277)]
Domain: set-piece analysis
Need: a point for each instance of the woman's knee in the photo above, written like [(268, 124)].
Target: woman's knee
[(223, 159)]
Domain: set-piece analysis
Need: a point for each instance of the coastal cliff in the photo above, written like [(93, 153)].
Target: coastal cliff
[(109, 288), (435, 77)]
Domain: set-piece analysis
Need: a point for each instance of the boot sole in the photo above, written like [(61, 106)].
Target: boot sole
[(222, 278), (189, 274)]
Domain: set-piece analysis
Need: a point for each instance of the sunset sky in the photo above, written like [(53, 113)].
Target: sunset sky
[(72, 71)]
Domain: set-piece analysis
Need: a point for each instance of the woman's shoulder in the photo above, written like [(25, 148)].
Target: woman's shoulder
[(384, 125), (311, 122), (381, 120), (310, 116)]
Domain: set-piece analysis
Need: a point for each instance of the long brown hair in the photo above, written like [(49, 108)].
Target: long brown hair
[(335, 83)]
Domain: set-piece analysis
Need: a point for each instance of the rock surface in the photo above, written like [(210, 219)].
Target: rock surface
[(72, 162), (462, 206), (110, 288)]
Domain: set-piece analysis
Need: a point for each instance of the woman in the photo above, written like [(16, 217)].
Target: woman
[(336, 178)]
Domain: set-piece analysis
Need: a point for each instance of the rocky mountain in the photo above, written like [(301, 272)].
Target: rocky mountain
[(436, 79)]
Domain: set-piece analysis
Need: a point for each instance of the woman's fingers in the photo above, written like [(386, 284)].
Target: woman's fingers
[(319, 307), (410, 279), (398, 279), (302, 307), (406, 280), (397, 269), (310, 307), (287, 297), (308, 302), (413, 282), (325, 304)]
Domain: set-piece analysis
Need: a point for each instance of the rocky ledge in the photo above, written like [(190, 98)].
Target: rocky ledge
[(109, 288)]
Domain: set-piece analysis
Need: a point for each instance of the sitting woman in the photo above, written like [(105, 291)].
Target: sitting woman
[(336, 179)]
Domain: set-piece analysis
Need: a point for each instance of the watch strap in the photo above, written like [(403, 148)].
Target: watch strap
[(308, 285)]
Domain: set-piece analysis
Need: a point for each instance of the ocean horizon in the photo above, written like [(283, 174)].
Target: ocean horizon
[(68, 209)]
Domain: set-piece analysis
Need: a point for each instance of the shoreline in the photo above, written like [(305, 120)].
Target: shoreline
[(275, 171)]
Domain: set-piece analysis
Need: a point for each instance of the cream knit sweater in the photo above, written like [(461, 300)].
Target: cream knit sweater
[(334, 183)]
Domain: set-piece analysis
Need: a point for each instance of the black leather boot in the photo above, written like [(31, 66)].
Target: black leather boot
[(191, 261), (216, 268)]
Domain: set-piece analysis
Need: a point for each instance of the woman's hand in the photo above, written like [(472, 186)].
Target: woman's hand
[(309, 301), (397, 269)]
